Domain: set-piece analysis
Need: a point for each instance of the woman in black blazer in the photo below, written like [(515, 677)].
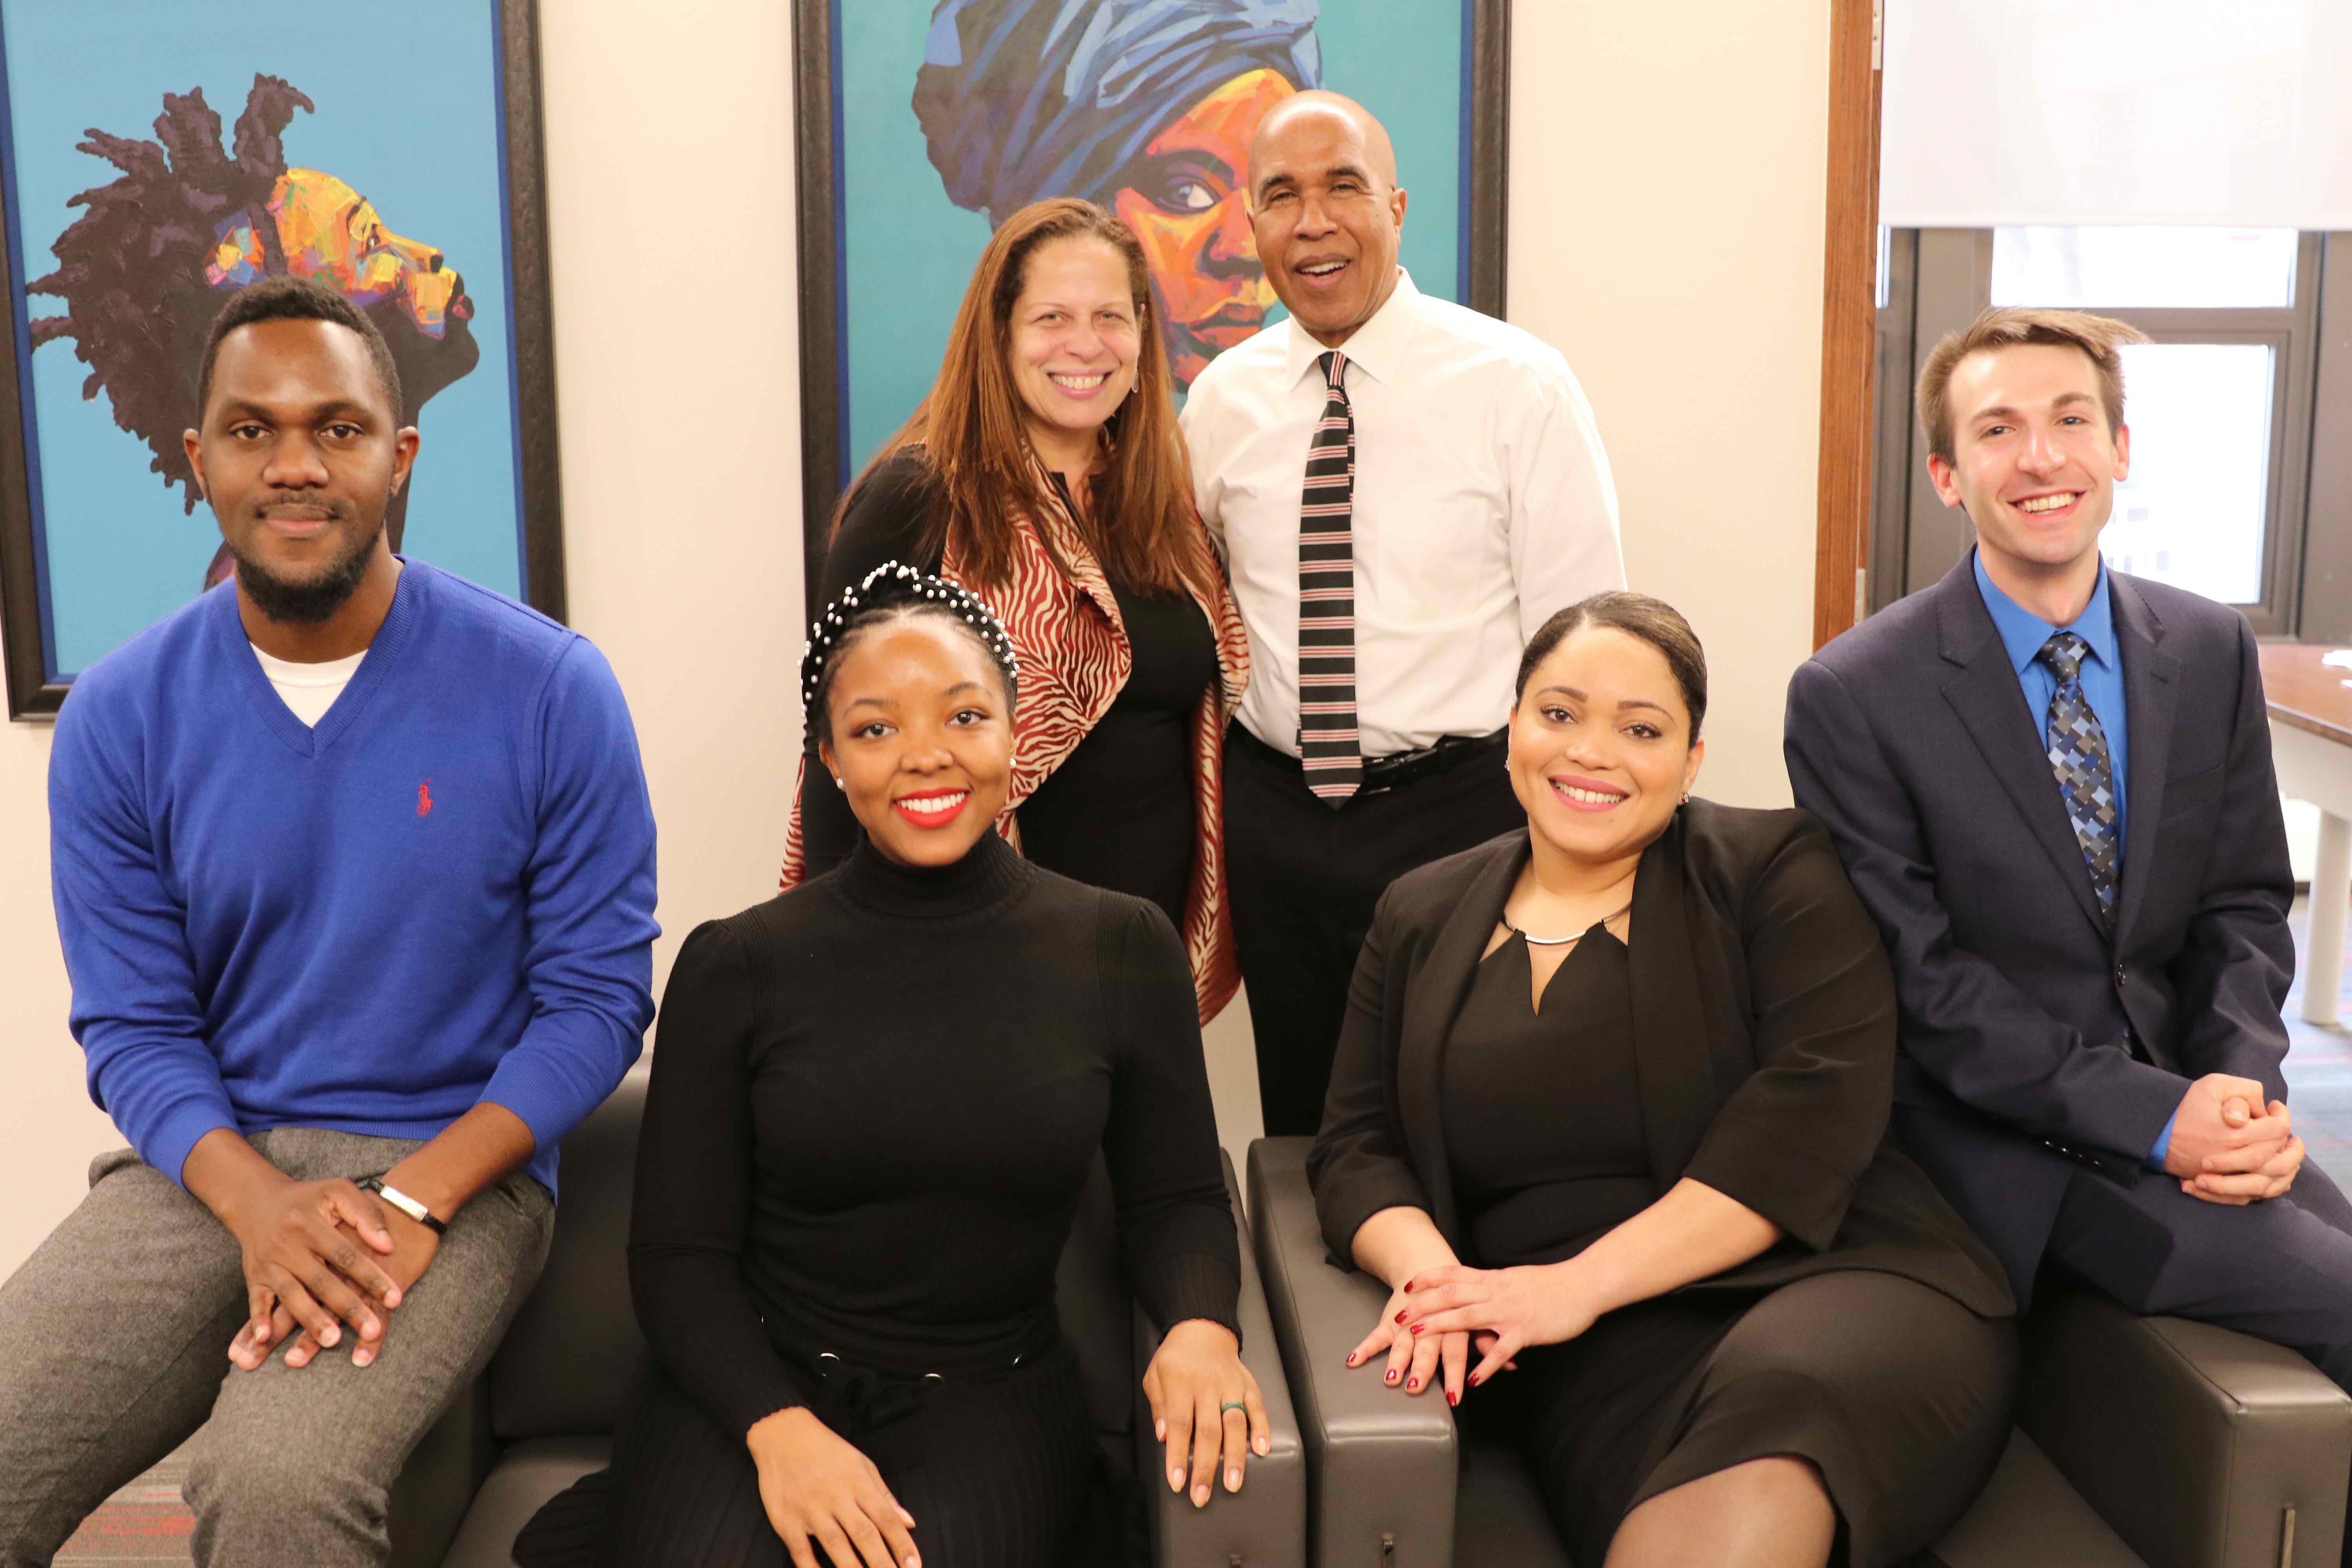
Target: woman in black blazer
[(1609, 1115)]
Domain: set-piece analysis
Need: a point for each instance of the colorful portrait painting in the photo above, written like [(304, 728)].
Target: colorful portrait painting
[(950, 115), (163, 153)]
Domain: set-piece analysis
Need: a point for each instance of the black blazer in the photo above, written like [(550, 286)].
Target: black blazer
[(1764, 1045), (2033, 1044)]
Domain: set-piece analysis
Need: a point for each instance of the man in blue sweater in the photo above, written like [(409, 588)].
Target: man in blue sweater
[(355, 873)]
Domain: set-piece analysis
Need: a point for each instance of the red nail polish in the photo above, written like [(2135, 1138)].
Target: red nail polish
[(1412, 1387), (1451, 1397), (1391, 1377), (1416, 1327), (1475, 1378), (1399, 1317)]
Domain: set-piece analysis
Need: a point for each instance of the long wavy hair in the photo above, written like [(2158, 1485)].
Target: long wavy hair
[(972, 434)]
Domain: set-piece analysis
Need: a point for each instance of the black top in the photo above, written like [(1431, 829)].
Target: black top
[(1543, 1107), (875, 1103), (1762, 1021), (1119, 812)]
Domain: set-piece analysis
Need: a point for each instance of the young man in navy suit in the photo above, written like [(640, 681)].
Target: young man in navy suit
[(2051, 785)]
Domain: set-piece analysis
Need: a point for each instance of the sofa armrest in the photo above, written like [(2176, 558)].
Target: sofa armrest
[(1381, 1466), (438, 1481), (1264, 1525), (2194, 1443)]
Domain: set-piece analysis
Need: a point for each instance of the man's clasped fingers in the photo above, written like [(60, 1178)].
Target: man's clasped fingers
[(2253, 1157), (2269, 1179)]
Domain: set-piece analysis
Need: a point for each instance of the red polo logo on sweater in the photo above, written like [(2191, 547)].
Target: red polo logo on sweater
[(425, 798)]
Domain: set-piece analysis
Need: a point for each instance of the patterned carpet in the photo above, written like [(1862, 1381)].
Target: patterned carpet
[(146, 1523)]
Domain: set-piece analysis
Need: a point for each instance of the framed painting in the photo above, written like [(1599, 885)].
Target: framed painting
[(157, 154), (923, 123)]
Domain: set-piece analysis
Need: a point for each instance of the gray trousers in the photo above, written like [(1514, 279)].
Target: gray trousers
[(114, 1349)]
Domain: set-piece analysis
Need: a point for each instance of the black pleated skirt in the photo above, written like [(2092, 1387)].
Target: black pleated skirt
[(999, 1472), (1896, 1394)]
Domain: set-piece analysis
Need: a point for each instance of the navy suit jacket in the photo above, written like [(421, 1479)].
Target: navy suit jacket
[(2034, 1042)]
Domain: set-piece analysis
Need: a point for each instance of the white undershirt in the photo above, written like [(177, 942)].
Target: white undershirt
[(310, 689)]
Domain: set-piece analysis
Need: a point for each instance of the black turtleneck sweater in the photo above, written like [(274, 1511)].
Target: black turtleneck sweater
[(875, 1103)]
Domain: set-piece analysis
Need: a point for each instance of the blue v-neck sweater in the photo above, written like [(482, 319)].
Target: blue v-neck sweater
[(442, 894)]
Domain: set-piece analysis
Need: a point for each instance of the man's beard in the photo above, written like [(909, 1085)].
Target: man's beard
[(314, 600)]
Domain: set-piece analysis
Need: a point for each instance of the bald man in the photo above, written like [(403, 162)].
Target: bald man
[(1405, 489)]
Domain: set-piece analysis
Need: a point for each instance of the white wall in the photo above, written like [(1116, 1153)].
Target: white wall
[(1667, 174), (1668, 177)]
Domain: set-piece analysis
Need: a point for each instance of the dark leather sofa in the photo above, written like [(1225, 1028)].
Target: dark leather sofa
[(543, 1416), (2141, 1443)]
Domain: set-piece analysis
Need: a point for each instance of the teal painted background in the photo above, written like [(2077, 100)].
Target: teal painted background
[(407, 105), (909, 251)]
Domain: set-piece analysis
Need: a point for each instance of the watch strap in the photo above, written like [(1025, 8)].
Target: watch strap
[(404, 1204)]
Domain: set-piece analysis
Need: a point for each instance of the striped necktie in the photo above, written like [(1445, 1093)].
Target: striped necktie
[(1329, 747)]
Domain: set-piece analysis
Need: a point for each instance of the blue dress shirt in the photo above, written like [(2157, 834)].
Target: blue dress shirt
[(2023, 633)]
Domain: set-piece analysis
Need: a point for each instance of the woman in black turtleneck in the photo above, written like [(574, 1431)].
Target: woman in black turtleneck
[(875, 1102)]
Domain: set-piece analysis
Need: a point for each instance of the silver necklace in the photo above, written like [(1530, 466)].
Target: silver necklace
[(1560, 940)]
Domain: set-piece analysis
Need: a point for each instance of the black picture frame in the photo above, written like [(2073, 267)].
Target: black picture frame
[(816, 71), (33, 696)]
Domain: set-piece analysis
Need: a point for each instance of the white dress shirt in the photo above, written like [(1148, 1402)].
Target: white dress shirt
[(1483, 503)]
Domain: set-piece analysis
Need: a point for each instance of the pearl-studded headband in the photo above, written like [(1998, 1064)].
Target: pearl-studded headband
[(895, 585)]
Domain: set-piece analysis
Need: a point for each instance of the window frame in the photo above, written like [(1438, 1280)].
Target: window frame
[(1939, 278)]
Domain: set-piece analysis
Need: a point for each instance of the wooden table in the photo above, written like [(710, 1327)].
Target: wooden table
[(2311, 742)]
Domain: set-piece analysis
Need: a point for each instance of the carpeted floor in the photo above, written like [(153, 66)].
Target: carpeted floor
[(145, 1522)]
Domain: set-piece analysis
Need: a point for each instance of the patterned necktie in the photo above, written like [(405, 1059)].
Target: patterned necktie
[(1329, 747), (2086, 777)]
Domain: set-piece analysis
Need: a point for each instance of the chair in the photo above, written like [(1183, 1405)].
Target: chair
[(2142, 1442), (543, 1413)]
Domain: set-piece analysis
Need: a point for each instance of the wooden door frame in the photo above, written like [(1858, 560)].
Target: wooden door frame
[(1849, 318)]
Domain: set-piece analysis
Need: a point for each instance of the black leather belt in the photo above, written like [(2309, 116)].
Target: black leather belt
[(1396, 769)]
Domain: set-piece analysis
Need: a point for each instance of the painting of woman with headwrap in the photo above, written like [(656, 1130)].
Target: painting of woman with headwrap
[(1146, 107), (948, 116), (375, 165)]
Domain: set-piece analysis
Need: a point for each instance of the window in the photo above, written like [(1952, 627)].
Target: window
[(2240, 483)]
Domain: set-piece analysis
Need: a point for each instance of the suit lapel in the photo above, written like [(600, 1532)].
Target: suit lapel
[(2151, 684), (1435, 993), (1984, 692), (1670, 1040)]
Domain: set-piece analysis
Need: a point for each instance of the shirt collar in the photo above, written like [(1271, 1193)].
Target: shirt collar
[(2022, 632), (1377, 345)]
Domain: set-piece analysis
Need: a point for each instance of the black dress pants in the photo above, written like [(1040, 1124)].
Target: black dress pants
[(1304, 878)]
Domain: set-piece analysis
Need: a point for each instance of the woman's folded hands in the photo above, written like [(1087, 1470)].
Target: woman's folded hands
[(1500, 1311), (1418, 1362)]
